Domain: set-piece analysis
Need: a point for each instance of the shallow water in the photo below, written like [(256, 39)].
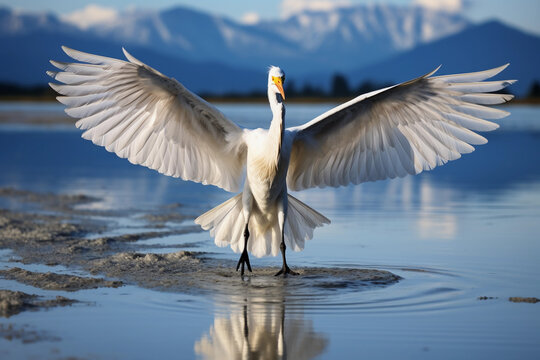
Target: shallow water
[(463, 231)]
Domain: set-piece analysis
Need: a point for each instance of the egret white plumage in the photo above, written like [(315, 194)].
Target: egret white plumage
[(152, 120)]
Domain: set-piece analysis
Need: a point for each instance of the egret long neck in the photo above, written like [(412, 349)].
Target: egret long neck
[(277, 126)]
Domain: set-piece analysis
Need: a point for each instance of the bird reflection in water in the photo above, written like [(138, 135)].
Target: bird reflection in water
[(259, 329)]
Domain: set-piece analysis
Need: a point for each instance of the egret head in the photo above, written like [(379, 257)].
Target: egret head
[(276, 78)]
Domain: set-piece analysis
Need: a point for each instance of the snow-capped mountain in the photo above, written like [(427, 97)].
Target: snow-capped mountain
[(16, 23), (349, 37), (192, 34), (401, 27), (338, 39), (29, 41), (209, 53)]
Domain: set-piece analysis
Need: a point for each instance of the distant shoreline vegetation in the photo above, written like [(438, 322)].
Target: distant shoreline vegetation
[(339, 91)]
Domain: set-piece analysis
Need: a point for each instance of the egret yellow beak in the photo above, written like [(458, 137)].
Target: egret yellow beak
[(279, 83)]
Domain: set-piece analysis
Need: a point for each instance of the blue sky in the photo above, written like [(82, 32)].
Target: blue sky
[(524, 14)]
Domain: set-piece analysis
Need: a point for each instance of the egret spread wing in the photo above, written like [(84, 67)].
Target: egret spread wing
[(150, 119), (399, 130)]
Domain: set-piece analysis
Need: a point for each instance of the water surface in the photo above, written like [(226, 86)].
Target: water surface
[(466, 230)]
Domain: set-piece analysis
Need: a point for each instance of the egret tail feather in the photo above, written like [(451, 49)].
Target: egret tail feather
[(226, 224)]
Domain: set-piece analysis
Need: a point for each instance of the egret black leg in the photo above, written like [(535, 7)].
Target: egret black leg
[(244, 258), (285, 269)]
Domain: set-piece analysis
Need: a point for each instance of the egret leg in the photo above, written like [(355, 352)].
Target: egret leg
[(244, 258), (282, 215)]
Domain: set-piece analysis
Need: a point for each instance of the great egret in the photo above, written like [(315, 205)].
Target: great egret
[(142, 115)]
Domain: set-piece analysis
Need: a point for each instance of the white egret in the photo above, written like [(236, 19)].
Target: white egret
[(142, 115)]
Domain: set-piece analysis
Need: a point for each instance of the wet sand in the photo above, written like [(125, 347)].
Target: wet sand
[(60, 233), (519, 299), (53, 281), (14, 302)]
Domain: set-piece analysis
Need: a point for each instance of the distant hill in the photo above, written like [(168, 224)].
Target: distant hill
[(25, 55), (27, 64), (334, 40), (339, 39), (348, 37), (476, 48), (213, 54)]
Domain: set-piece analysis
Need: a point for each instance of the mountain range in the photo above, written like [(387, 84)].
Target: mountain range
[(476, 48), (304, 42), (210, 53)]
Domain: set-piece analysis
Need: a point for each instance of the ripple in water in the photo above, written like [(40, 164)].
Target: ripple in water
[(400, 289)]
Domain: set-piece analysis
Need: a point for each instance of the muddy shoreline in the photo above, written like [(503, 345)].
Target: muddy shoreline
[(61, 233), (14, 302)]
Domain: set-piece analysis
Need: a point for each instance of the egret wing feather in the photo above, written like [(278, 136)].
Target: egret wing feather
[(399, 130), (140, 114)]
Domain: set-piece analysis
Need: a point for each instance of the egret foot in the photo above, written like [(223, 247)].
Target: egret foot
[(285, 270), (244, 260)]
